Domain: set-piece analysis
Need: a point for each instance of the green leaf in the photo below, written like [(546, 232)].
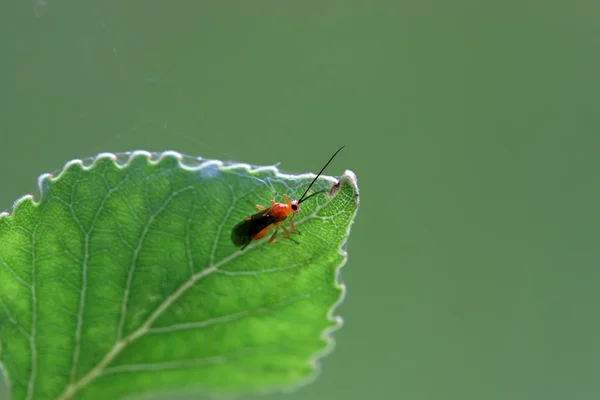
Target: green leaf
[(123, 280)]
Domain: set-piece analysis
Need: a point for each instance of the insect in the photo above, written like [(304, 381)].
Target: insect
[(260, 224)]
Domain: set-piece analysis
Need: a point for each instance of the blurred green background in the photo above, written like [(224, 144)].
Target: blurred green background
[(473, 128)]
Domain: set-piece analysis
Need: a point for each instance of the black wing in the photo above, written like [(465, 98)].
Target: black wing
[(241, 234)]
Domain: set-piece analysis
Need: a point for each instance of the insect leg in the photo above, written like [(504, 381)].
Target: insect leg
[(257, 205), (287, 234), (292, 225), (272, 240)]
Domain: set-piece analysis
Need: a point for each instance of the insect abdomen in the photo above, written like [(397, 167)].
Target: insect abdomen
[(262, 233)]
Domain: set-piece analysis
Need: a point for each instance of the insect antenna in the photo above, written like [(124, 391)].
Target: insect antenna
[(313, 194), (316, 177)]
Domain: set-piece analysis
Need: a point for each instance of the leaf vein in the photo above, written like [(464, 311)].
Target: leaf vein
[(194, 362), (12, 319), (14, 273), (261, 271), (135, 256), (220, 227), (188, 245), (34, 316), (84, 276), (228, 318)]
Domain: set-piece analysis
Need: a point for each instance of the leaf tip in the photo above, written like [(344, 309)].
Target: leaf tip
[(347, 178)]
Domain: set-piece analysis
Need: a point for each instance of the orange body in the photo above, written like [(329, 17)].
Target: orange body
[(278, 213)]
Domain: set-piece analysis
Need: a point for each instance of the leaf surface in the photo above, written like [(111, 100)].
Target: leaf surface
[(123, 280)]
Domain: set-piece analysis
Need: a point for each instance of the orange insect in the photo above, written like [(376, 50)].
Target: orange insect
[(260, 224)]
